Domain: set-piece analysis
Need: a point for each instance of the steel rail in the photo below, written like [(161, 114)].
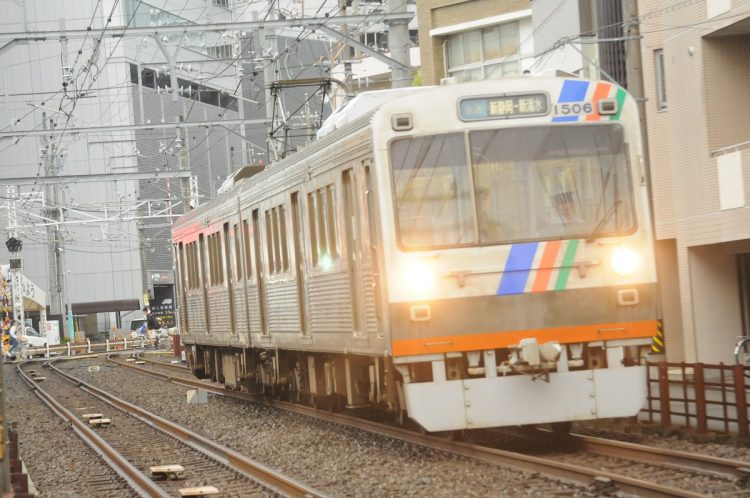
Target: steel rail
[(266, 476), (140, 483), (568, 472), (724, 467)]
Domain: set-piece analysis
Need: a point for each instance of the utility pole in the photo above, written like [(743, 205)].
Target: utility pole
[(14, 274), (184, 161), (398, 43), (347, 54), (54, 249), (267, 46), (634, 72)]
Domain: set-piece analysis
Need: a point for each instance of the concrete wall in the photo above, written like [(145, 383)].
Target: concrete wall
[(669, 284), (701, 191)]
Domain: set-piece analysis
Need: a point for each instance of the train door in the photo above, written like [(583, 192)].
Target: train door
[(370, 228), (260, 274), (230, 265), (299, 259), (354, 249), (247, 277), (182, 279), (203, 259)]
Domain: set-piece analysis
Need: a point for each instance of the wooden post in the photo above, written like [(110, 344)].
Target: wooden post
[(740, 400), (664, 406), (700, 398)]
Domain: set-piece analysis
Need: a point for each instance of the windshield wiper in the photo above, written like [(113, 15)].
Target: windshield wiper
[(602, 222)]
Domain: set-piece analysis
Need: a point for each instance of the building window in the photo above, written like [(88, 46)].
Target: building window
[(220, 51), (661, 88), (488, 53)]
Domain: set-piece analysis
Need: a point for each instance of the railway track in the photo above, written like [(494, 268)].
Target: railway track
[(716, 475), (135, 443)]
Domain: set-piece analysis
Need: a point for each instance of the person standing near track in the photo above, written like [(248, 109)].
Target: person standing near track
[(13, 333), (151, 326)]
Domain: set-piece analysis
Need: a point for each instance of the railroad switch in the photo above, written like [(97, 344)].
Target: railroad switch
[(140, 362), (99, 422), (38, 378), (199, 491), (92, 416), (171, 472), (129, 360)]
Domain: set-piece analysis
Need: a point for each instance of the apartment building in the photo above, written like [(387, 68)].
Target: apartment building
[(108, 267), (474, 40), (696, 77)]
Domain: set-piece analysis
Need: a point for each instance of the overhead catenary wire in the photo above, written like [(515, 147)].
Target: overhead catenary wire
[(602, 41)]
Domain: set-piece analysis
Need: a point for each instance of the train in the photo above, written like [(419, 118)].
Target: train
[(461, 256)]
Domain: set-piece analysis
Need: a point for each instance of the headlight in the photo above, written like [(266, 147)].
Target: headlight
[(625, 261), (419, 276)]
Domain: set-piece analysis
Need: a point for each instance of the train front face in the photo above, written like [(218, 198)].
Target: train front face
[(518, 249)]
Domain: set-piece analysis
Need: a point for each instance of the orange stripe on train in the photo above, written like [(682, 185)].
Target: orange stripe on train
[(492, 340)]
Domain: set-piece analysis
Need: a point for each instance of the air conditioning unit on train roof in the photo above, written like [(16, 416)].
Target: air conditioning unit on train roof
[(240, 174), (361, 104)]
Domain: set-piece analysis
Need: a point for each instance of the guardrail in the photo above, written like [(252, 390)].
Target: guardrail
[(88, 347)]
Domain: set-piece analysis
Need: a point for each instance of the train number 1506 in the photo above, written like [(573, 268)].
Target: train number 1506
[(585, 108)]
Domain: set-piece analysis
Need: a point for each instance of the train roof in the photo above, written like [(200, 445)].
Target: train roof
[(361, 104)]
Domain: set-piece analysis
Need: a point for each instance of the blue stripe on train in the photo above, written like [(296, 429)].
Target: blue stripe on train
[(563, 119), (517, 268), (573, 91)]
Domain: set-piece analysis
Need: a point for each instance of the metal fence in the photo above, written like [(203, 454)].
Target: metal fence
[(88, 347), (699, 396)]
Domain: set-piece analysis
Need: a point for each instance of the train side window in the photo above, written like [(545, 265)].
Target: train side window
[(331, 222), (190, 255), (322, 219), (248, 258), (186, 265), (202, 257), (216, 262), (278, 252), (236, 234), (227, 253), (276, 240), (369, 210), (269, 243), (211, 260), (193, 262), (219, 259), (283, 248), (313, 232), (320, 204)]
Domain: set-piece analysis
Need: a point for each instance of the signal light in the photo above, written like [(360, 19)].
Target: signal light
[(14, 245)]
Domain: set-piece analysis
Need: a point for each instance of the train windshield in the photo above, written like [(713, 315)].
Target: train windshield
[(512, 184)]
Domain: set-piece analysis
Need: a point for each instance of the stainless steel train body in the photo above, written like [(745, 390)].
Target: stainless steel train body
[(471, 255)]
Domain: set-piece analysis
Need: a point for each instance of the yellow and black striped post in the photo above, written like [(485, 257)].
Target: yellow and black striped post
[(657, 340)]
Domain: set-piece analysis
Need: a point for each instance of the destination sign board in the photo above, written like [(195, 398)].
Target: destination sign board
[(503, 106)]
